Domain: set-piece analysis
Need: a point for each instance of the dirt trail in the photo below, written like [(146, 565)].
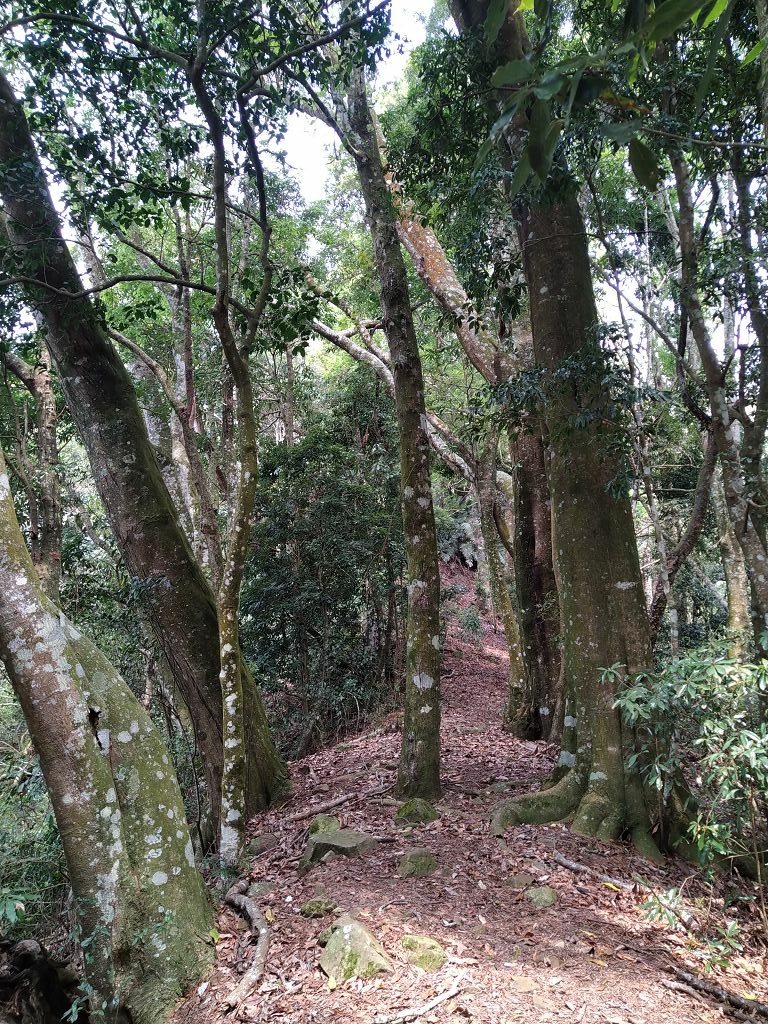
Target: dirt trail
[(592, 958)]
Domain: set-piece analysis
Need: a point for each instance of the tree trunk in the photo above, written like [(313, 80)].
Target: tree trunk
[(142, 910), (179, 600), (603, 614), (419, 771), (736, 582)]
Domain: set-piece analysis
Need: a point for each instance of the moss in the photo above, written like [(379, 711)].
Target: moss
[(324, 823), (423, 952), (318, 907), (416, 811)]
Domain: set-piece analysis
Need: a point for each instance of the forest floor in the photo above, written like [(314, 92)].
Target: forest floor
[(593, 957)]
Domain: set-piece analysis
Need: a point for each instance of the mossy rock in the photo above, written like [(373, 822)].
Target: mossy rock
[(417, 863), (542, 896), (424, 952), (351, 951), (324, 823), (324, 846), (416, 812), (318, 907)]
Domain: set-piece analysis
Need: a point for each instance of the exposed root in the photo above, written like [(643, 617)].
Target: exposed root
[(595, 814), (538, 808), (260, 930), (750, 1006)]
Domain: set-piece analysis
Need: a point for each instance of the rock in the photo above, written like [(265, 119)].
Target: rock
[(258, 889), (351, 951), (417, 863), (261, 844), (520, 881), (421, 951), (324, 823), (345, 842), (542, 896), (318, 907), (416, 811)]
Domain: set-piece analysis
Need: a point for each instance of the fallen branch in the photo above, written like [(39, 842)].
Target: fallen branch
[(687, 920), (244, 905), (330, 804), (708, 988), (419, 1011)]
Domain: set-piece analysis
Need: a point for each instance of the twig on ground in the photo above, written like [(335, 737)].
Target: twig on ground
[(687, 920), (330, 804), (418, 1011), (708, 988), (237, 899)]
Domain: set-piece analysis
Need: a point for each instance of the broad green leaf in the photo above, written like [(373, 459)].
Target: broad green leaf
[(512, 73), (620, 132), (525, 5), (483, 153), (668, 18), (714, 48), (714, 14), (537, 137), (494, 19), (644, 164), (755, 52), (521, 175)]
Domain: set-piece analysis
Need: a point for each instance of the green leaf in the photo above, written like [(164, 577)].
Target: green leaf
[(669, 16), (621, 131), (525, 5), (755, 52), (521, 175), (714, 48), (549, 86), (512, 73), (494, 19), (644, 164), (717, 9), (483, 153), (537, 136)]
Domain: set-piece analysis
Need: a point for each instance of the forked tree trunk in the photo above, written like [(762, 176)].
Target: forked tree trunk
[(142, 909), (419, 770), (179, 601)]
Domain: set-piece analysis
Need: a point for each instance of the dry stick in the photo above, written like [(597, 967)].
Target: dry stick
[(686, 919), (244, 905), (329, 804), (709, 989), (419, 1011)]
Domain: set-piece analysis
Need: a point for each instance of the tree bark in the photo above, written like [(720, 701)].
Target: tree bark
[(99, 393), (603, 615), (142, 909), (419, 769)]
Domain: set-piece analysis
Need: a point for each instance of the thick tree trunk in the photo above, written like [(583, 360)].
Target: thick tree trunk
[(603, 615), (179, 600), (142, 909), (419, 771)]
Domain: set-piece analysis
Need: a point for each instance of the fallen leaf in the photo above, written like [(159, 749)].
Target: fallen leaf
[(521, 983)]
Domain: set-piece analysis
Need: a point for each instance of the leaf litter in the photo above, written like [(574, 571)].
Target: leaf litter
[(593, 957)]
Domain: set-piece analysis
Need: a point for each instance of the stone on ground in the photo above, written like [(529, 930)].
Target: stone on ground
[(416, 812), (324, 823), (424, 952), (261, 844), (417, 863), (520, 881), (352, 952), (345, 842), (258, 889), (542, 896), (318, 907)]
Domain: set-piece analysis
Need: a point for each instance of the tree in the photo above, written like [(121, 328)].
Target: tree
[(142, 909)]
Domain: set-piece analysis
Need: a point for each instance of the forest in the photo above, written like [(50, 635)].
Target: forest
[(383, 511)]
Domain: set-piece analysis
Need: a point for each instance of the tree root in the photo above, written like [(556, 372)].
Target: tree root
[(595, 814), (751, 1006), (237, 899)]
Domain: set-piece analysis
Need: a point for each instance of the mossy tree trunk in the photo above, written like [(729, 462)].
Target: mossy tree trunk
[(604, 621), (179, 601), (142, 909), (419, 770)]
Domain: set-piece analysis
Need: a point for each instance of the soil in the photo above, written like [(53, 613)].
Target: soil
[(595, 956)]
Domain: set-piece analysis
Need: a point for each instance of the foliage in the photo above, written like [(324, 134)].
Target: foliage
[(711, 705), (322, 596)]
